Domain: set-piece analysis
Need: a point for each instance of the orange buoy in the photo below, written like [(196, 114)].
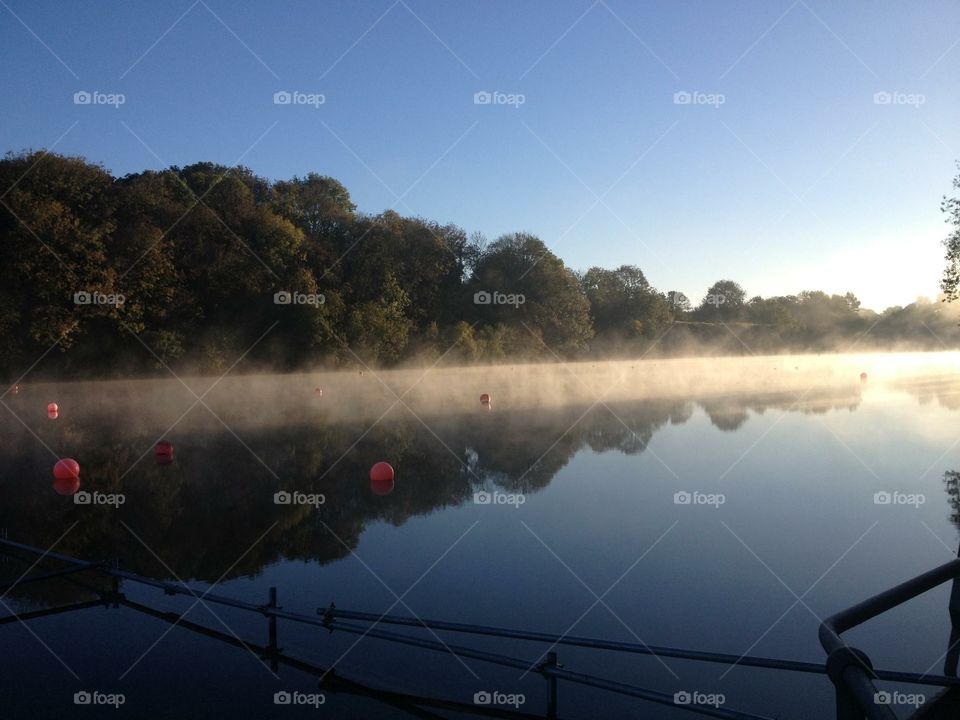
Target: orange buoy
[(66, 469), (381, 472)]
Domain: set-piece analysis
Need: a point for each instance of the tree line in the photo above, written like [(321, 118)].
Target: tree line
[(197, 266)]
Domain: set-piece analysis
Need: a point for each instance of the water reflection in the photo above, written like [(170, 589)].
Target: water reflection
[(184, 508)]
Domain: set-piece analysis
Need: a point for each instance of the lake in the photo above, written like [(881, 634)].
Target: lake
[(723, 505)]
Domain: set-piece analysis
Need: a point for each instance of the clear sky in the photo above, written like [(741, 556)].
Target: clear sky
[(783, 172)]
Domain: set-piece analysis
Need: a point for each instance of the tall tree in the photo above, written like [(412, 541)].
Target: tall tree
[(623, 303), (723, 301), (950, 283), (554, 310)]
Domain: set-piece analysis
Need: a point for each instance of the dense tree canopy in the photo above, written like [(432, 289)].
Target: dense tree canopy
[(197, 266)]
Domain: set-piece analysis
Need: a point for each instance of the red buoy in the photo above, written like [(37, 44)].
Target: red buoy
[(381, 472), (53, 414), (15, 390), (318, 392), (68, 486), (66, 469), (485, 399), (381, 487), (863, 377), (52, 408)]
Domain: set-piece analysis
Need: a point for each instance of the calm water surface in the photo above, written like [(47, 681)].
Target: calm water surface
[(587, 533)]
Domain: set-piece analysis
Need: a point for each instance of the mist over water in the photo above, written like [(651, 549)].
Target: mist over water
[(272, 400)]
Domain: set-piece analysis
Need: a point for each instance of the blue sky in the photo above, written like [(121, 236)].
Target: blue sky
[(784, 172)]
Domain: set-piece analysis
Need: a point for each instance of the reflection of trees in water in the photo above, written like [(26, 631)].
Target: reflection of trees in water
[(944, 390), (203, 511), (623, 430), (729, 413)]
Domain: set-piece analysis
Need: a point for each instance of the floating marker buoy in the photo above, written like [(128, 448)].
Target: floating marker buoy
[(163, 452), (318, 392), (15, 390), (68, 486), (53, 407), (381, 472), (485, 399), (863, 377), (66, 469), (53, 414), (381, 487)]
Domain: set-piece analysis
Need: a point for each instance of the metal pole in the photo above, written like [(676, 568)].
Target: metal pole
[(953, 642), (272, 630), (846, 705), (552, 686)]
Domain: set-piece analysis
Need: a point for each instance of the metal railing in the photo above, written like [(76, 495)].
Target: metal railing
[(848, 668)]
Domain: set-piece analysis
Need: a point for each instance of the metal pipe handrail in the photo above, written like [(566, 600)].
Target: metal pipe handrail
[(543, 669), (636, 648), (833, 626), (850, 669), (180, 588), (326, 675), (271, 611)]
